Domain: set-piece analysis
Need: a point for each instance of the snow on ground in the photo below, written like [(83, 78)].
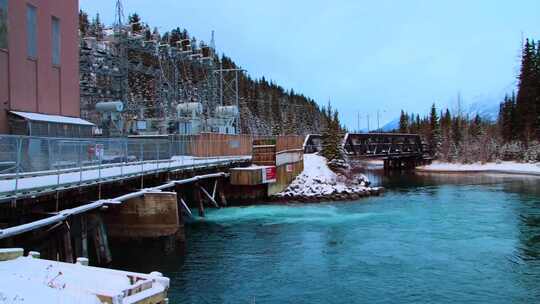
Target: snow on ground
[(318, 180), (89, 174), (29, 280), (502, 167), (32, 280)]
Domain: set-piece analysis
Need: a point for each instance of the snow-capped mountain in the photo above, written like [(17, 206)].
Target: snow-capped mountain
[(486, 107), (392, 125)]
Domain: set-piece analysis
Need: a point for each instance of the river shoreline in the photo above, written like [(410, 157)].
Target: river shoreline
[(513, 168)]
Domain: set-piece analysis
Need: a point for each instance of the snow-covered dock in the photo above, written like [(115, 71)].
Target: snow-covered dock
[(33, 280), (12, 185)]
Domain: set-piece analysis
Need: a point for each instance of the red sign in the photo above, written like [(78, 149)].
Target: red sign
[(269, 175), (289, 168)]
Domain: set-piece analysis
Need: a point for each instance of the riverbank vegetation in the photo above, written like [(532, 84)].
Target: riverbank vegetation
[(332, 137), (515, 135)]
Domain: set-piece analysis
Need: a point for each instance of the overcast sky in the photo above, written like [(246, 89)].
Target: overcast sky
[(364, 55)]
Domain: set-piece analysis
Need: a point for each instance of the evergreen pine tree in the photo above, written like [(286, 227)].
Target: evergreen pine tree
[(96, 28), (403, 122), (84, 24), (536, 115), (135, 23), (331, 141), (176, 35), (475, 127), (155, 34), (526, 96), (507, 118), (457, 133), (446, 122), (434, 131), (147, 33)]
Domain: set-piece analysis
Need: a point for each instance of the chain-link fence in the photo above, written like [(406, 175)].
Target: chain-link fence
[(28, 162), (33, 154), (31, 163)]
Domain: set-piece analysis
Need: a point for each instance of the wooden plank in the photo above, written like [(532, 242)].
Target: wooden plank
[(213, 145), (7, 254), (289, 142), (65, 240), (198, 199), (84, 236), (100, 239), (246, 176), (222, 197)]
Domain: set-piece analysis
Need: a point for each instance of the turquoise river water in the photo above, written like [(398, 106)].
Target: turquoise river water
[(428, 239)]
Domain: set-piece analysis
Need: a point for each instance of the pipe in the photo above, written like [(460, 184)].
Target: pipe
[(61, 216), (185, 206)]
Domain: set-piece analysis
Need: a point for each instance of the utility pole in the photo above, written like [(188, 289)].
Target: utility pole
[(358, 122), (368, 123), (378, 127), (213, 42), (119, 16)]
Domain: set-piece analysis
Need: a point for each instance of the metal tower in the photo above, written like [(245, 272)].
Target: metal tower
[(229, 90), (119, 16), (213, 42)]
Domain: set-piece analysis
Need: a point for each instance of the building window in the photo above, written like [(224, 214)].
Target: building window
[(3, 24), (55, 41), (31, 31)]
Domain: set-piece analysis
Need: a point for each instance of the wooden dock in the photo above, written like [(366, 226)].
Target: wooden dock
[(82, 220), (33, 280)]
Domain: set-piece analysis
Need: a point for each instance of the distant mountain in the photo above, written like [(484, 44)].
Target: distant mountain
[(487, 109), (391, 126)]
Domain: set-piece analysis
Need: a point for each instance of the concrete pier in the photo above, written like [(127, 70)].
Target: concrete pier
[(152, 215)]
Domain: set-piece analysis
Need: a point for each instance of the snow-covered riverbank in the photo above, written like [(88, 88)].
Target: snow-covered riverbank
[(502, 167), (317, 183)]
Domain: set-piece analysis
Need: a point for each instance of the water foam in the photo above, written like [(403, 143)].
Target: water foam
[(273, 215)]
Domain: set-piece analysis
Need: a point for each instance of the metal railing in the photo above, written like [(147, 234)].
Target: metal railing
[(30, 163)]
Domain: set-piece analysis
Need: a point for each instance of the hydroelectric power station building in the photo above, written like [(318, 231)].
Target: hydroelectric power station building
[(39, 69)]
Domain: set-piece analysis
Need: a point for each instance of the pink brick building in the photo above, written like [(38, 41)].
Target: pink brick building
[(39, 66)]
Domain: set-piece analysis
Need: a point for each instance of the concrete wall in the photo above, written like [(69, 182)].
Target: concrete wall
[(289, 164), (153, 215), (36, 85)]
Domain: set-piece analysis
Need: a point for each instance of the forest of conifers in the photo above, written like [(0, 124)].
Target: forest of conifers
[(515, 135)]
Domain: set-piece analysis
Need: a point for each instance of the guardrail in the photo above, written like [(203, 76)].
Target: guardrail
[(29, 164), (20, 154)]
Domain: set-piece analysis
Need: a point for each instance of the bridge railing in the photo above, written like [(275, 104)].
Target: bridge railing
[(31, 154), (383, 149), (383, 144), (35, 164)]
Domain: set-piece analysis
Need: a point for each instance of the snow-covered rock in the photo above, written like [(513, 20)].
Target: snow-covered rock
[(318, 181)]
